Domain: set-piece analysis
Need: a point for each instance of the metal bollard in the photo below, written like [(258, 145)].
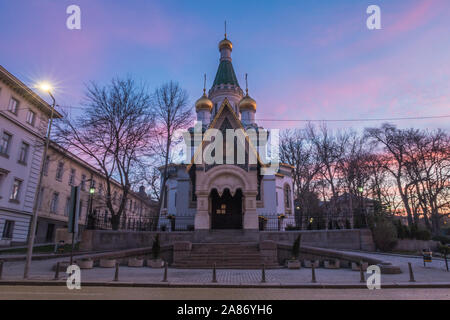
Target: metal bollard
[(116, 274), (165, 272), (56, 272), (361, 272), (214, 276), (411, 274), (445, 258), (263, 276), (313, 273), (1, 269)]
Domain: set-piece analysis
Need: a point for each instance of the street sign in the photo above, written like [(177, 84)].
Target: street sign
[(74, 210), (427, 256)]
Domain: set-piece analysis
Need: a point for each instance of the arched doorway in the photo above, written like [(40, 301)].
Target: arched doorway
[(226, 210)]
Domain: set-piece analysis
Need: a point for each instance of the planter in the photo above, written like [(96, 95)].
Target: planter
[(293, 264), (85, 264), (310, 263), (107, 263), (158, 263), (331, 264), (135, 263), (355, 266)]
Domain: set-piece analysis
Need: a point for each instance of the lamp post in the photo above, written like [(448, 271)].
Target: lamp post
[(32, 231)]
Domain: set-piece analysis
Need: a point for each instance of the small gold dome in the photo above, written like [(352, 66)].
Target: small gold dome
[(203, 103), (247, 103), (225, 43)]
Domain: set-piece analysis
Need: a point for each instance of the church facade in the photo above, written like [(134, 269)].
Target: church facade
[(234, 190)]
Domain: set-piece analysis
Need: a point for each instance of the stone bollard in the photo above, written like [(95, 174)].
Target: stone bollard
[(165, 272), (361, 272), (1, 269), (411, 274), (56, 272), (116, 273), (214, 276), (263, 275), (313, 273)]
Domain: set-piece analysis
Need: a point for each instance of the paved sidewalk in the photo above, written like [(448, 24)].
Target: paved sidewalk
[(41, 270)]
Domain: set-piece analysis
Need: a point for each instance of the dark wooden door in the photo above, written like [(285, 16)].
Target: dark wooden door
[(226, 210)]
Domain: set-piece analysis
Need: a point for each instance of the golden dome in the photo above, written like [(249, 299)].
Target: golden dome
[(225, 43), (203, 103), (247, 103)]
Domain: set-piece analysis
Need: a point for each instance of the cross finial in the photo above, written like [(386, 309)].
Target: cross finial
[(225, 29), (246, 83), (204, 83)]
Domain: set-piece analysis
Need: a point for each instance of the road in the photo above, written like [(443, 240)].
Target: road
[(119, 293)]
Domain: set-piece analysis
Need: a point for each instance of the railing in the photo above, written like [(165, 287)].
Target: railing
[(103, 222), (266, 223)]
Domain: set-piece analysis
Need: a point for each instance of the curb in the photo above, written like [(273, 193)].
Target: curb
[(399, 285)]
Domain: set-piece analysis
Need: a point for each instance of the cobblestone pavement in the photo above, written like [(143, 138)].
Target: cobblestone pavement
[(41, 270)]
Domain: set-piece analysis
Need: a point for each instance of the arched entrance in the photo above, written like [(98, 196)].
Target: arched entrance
[(226, 209)]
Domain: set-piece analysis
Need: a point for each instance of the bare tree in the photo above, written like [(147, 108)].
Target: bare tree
[(297, 150), (393, 142), (329, 148), (113, 132), (171, 110)]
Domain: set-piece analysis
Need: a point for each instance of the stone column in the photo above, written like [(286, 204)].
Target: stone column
[(250, 214), (202, 216)]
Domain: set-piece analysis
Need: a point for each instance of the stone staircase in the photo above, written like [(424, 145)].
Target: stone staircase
[(226, 256)]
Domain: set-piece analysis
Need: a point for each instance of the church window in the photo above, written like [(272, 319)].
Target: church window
[(287, 197), (165, 198)]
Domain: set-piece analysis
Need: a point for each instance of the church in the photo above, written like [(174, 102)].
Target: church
[(203, 196)]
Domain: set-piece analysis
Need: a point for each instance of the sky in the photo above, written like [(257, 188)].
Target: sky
[(311, 60)]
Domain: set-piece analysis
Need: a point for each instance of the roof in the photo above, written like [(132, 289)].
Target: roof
[(225, 74), (26, 92)]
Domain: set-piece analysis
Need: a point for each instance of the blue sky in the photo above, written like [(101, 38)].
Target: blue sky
[(305, 59)]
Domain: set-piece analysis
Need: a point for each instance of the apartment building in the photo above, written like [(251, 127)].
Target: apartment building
[(24, 120), (62, 170)]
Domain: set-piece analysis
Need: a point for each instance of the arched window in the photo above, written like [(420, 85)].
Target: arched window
[(287, 196)]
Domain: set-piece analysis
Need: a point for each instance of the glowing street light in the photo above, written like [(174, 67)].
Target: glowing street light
[(45, 86)]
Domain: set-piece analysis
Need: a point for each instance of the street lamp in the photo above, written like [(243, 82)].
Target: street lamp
[(47, 88)]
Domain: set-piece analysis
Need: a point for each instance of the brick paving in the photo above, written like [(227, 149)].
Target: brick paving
[(433, 273)]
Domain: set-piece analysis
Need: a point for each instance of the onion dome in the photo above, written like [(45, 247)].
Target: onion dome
[(203, 103), (225, 43), (247, 103)]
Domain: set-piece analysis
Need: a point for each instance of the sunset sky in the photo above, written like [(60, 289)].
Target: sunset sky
[(305, 59)]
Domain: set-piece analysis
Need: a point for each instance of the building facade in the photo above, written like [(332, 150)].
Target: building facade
[(229, 189), (24, 120), (62, 170)]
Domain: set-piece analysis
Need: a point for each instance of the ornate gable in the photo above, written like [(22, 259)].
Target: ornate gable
[(225, 119)]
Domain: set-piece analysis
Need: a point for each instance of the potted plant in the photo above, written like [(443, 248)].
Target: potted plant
[(85, 263), (135, 262), (156, 261), (171, 218), (262, 222), (294, 263), (107, 263)]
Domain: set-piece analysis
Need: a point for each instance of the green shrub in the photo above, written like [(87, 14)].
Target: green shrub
[(442, 239), (420, 233), (296, 247), (444, 249), (156, 247), (384, 235)]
